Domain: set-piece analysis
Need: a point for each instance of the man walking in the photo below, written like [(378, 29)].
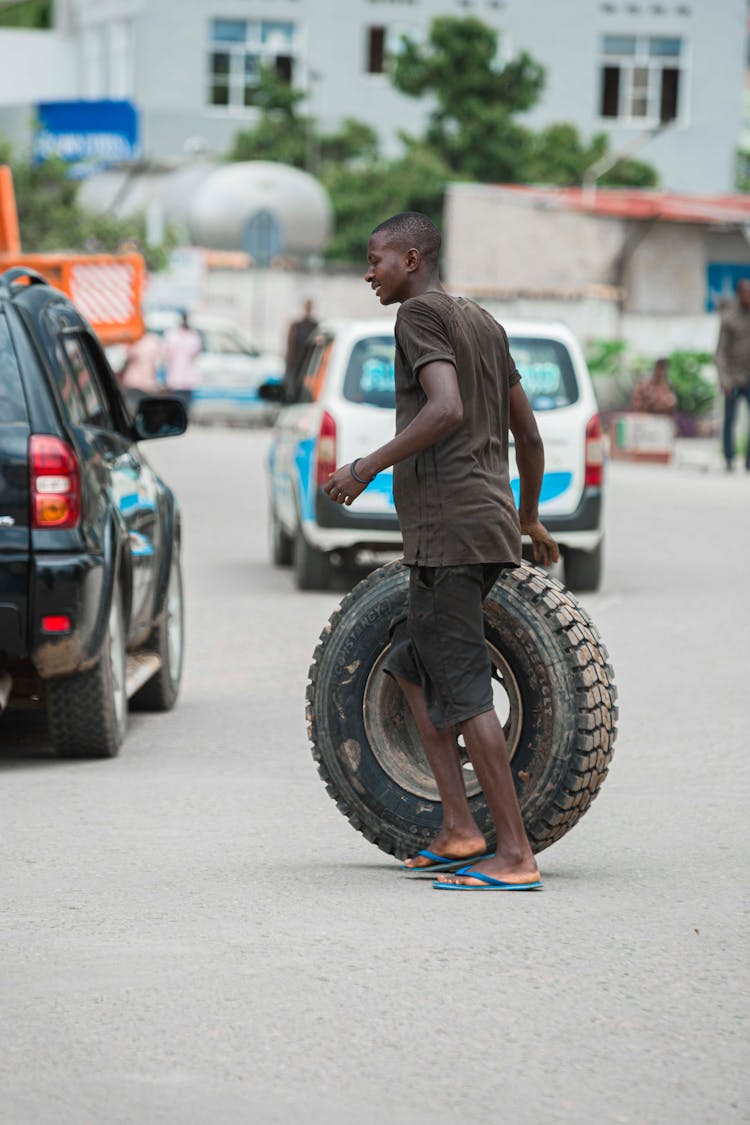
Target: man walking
[(297, 339), (733, 366), (457, 394)]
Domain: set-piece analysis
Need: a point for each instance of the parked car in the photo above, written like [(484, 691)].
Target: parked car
[(231, 368), (345, 408), (91, 599)]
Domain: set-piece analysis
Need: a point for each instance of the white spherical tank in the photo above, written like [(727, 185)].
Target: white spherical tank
[(270, 210)]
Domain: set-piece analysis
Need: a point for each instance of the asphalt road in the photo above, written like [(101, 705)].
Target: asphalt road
[(192, 933)]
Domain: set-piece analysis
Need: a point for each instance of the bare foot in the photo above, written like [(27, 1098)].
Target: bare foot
[(452, 846), (498, 867)]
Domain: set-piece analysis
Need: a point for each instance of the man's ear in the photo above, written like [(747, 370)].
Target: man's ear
[(413, 260)]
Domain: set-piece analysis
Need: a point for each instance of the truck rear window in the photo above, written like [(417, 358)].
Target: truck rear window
[(369, 374), (546, 370), (12, 401)]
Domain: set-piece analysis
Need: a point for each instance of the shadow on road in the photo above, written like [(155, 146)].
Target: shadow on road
[(24, 740)]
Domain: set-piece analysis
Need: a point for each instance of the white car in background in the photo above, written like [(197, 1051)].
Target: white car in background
[(345, 408), (231, 368)]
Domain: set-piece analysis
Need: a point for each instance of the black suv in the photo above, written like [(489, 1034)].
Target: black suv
[(91, 609)]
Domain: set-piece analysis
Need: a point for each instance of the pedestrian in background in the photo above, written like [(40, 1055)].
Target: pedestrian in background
[(457, 394), (733, 366), (654, 394), (182, 346), (297, 339), (140, 374)]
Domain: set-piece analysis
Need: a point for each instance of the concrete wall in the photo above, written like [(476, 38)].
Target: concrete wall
[(728, 246), (666, 273), (536, 245), (35, 66), (264, 302), (566, 39), (504, 240)]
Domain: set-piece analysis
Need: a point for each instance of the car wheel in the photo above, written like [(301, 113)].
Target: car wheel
[(281, 545), (87, 712), (583, 569), (312, 568), (554, 693), (168, 642)]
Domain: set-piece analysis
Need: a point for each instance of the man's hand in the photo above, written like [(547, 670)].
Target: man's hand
[(546, 550), (342, 487)]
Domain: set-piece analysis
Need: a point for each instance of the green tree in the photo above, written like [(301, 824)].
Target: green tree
[(354, 141), (558, 155), (472, 128), (285, 134), (365, 192), (472, 133), (282, 133), (27, 13)]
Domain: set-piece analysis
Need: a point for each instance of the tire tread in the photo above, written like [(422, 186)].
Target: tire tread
[(594, 686)]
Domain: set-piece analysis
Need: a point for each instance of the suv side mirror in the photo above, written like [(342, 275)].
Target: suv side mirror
[(159, 416)]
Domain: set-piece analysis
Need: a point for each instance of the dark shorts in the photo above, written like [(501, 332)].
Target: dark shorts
[(439, 642)]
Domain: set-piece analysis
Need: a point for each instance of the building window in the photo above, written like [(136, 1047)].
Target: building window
[(375, 50), (641, 78), (237, 51)]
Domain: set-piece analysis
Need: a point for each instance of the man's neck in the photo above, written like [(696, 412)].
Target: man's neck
[(422, 285)]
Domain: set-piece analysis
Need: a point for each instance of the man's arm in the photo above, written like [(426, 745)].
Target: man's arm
[(530, 460), (441, 413)]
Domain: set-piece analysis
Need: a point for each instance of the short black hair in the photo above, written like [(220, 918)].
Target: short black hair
[(412, 228)]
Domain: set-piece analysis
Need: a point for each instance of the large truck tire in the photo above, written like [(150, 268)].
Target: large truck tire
[(554, 692)]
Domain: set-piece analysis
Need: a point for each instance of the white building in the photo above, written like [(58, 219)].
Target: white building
[(620, 66)]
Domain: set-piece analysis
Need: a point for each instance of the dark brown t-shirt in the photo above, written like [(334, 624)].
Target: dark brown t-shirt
[(453, 500)]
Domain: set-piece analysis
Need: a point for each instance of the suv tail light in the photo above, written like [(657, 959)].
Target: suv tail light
[(594, 454), (55, 481), (325, 461)]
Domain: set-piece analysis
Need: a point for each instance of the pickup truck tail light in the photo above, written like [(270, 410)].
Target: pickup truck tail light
[(594, 454), (55, 481), (325, 460)]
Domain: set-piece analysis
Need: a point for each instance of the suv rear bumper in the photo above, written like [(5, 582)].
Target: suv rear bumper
[(73, 585)]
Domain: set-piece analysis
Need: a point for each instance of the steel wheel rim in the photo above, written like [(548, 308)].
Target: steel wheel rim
[(392, 733)]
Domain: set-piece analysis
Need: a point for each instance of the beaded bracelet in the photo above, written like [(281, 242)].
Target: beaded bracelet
[(353, 471)]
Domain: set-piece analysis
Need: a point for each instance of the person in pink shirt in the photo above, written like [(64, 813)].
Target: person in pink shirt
[(182, 346), (139, 376)]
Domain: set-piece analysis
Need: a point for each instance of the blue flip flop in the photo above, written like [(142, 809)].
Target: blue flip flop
[(441, 863), (491, 884)]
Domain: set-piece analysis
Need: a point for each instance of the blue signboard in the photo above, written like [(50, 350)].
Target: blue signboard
[(87, 132), (721, 281)]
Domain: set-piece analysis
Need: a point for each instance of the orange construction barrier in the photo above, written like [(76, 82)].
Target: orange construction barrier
[(105, 288)]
